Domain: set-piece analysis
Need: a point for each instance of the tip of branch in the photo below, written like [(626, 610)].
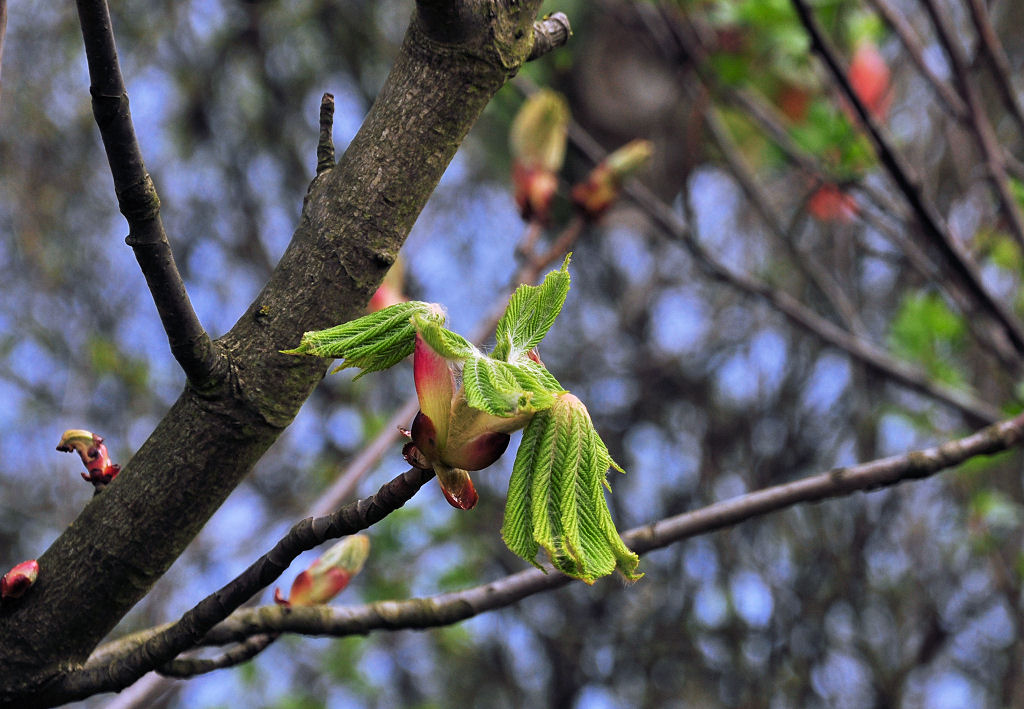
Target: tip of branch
[(325, 146), (551, 32)]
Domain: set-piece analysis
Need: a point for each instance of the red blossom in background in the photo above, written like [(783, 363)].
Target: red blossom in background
[(869, 76), (829, 203)]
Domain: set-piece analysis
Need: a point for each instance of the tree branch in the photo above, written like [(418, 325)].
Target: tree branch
[(161, 648), (184, 668), (957, 260), (449, 608), (355, 219), (138, 200)]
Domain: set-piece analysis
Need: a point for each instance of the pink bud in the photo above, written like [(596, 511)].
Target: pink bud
[(18, 580), (602, 187), (93, 452), (457, 487), (830, 203), (329, 575)]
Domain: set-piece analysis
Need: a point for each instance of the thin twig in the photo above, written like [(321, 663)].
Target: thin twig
[(183, 635), (449, 608), (999, 64), (958, 261), (184, 668), (981, 127), (138, 201), (948, 100)]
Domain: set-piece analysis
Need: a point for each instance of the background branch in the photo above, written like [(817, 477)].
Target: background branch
[(449, 608), (956, 258)]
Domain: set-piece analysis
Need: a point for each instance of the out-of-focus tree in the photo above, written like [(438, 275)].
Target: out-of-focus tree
[(822, 266)]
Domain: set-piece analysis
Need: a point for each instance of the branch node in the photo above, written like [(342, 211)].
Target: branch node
[(551, 32), (325, 148)]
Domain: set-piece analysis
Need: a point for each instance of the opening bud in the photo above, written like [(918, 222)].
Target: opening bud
[(329, 575), (93, 452), (596, 194)]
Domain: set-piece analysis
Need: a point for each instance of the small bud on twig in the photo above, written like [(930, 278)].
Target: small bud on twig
[(596, 194), (93, 452), (329, 575), (18, 580)]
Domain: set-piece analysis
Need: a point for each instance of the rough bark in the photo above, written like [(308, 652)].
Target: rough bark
[(455, 56)]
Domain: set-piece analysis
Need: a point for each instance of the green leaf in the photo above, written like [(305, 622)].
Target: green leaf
[(927, 331), (530, 313), (556, 497), (373, 342), (507, 389), (446, 343)]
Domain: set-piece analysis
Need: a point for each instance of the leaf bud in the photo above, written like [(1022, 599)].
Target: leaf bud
[(329, 575), (18, 580), (602, 187)]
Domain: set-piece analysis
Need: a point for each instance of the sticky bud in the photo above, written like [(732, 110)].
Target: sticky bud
[(603, 186), (329, 575), (18, 580), (537, 141), (93, 452)]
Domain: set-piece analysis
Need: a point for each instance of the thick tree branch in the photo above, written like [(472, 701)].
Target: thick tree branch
[(449, 608), (161, 648), (957, 260), (138, 200), (355, 219)]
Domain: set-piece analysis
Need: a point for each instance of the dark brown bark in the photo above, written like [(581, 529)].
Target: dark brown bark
[(354, 221)]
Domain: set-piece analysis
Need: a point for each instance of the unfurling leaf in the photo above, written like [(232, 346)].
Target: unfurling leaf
[(94, 455), (530, 314), (373, 342), (556, 496), (508, 389)]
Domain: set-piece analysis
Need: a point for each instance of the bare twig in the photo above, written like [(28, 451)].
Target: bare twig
[(980, 125), (449, 608), (993, 51), (183, 668), (956, 258), (138, 200), (948, 100), (178, 637)]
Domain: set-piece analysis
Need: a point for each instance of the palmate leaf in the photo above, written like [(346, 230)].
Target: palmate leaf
[(448, 344), (508, 389), (530, 313), (373, 342), (556, 497)]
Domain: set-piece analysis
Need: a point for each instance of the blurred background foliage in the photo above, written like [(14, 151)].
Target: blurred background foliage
[(907, 597)]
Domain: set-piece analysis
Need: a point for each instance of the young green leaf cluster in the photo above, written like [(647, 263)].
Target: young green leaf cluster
[(556, 494)]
